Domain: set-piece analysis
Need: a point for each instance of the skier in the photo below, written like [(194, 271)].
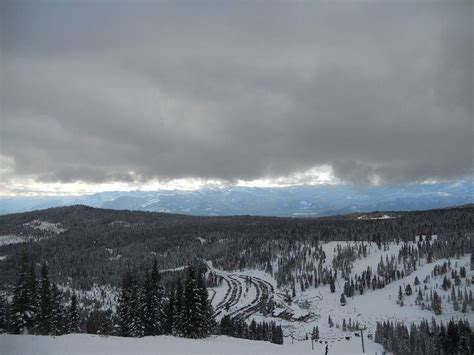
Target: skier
[(327, 349)]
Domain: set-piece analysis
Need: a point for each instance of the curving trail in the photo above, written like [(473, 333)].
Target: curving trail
[(236, 304)]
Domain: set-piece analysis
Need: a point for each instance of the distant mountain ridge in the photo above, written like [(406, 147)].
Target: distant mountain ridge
[(321, 200)]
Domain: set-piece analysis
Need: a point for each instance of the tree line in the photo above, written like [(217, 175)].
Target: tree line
[(37, 306), (99, 246), (144, 308), (426, 339), (267, 331)]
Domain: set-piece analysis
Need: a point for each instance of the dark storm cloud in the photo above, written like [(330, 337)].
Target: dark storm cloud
[(104, 91)]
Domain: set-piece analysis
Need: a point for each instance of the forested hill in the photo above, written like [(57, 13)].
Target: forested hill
[(89, 245)]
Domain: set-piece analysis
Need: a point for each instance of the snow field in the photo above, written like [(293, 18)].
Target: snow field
[(85, 344), (367, 309)]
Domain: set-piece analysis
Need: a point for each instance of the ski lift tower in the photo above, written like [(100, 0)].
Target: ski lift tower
[(361, 329)]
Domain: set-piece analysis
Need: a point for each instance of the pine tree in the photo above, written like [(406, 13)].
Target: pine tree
[(169, 312), (419, 297), (332, 285), (466, 338), (129, 308), (343, 300), (57, 311), (177, 309), (436, 303), (277, 334), (24, 305), (189, 322), (73, 316), (452, 338), (454, 299), (204, 308), (153, 312), (400, 296), (3, 313), (446, 283), (45, 303)]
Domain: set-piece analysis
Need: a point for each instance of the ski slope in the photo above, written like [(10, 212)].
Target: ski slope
[(82, 344), (313, 306)]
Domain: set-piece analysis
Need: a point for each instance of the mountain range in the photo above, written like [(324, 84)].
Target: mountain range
[(296, 201)]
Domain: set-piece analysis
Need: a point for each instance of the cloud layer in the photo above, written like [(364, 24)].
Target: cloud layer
[(119, 91)]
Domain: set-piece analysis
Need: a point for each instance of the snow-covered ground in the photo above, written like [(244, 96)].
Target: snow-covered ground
[(46, 226), (319, 303), (241, 293), (82, 344), (11, 239)]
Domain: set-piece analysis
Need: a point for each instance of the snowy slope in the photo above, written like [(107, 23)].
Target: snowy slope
[(82, 344), (315, 305)]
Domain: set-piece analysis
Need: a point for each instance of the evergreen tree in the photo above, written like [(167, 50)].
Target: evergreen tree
[(436, 303), (190, 323), (3, 313), (446, 283), (24, 305), (57, 311), (277, 334), (330, 322), (45, 303), (400, 296), (452, 338), (177, 310), (73, 316), (153, 312), (343, 300), (99, 322), (169, 310), (425, 339), (204, 308), (129, 308)]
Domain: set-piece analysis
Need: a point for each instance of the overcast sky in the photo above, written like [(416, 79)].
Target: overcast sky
[(127, 93)]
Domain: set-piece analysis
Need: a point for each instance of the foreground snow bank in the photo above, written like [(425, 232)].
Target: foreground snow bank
[(76, 344)]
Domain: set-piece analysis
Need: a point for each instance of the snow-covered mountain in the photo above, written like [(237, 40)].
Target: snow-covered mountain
[(321, 200)]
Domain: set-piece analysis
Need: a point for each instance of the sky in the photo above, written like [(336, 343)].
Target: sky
[(117, 95)]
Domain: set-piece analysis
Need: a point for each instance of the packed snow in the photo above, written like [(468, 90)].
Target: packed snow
[(82, 344)]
